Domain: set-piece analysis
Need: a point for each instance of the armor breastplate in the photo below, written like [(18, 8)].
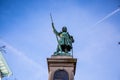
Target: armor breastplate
[(64, 35)]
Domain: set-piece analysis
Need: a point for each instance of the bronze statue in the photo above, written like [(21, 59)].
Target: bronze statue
[(64, 40)]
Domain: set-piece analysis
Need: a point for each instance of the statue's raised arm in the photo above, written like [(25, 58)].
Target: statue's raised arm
[(53, 27), (54, 30)]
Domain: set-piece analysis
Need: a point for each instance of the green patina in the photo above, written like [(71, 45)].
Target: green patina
[(64, 40)]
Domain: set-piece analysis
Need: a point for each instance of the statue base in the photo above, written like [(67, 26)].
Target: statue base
[(61, 54)]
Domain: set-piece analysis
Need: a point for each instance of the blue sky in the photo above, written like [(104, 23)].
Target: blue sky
[(25, 29)]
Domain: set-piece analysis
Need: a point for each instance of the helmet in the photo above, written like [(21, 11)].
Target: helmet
[(64, 29)]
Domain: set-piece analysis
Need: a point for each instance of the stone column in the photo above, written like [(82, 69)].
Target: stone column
[(58, 63)]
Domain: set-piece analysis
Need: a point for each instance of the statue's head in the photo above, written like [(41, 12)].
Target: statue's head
[(64, 29)]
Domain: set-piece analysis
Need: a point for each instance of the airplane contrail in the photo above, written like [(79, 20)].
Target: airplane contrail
[(20, 54), (35, 65), (109, 15)]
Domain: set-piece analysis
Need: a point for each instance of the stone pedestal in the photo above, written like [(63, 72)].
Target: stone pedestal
[(61, 67)]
